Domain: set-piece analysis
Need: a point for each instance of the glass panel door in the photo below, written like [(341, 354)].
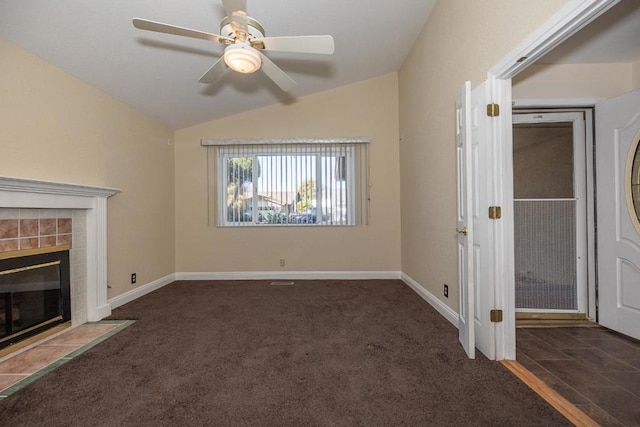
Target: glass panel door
[(33, 295), (549, 223)]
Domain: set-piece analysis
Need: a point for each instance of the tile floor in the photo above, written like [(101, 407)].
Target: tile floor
[(20, 369), (594, 368)]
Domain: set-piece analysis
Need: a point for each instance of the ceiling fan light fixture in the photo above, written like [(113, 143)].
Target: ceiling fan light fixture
[(242, 58)]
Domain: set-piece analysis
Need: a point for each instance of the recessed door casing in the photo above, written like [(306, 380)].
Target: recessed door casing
[(550, 212)]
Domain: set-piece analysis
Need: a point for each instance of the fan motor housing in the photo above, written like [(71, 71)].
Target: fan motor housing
[(256, 30)]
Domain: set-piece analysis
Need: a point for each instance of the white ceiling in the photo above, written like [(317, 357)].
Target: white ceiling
[(158, 74)]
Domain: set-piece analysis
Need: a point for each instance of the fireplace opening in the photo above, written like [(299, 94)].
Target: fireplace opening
[(35, 292)]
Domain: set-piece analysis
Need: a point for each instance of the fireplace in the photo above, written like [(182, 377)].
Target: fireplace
[(34, 292), (80, 214)]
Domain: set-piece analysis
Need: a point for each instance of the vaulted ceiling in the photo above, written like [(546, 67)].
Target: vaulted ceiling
[(158, 74)]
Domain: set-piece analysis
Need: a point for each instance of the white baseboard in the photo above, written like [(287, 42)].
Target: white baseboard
[(290, 275), (136, 293), (441, 307)]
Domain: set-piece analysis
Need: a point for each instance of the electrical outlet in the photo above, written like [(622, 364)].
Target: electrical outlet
[(282, 262), (446, 290), (133, 278)]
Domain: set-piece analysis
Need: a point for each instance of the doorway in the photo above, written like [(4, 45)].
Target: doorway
[(551, 210), (560, 27)]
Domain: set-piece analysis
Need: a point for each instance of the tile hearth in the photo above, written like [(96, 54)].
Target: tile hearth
[(22, 368)]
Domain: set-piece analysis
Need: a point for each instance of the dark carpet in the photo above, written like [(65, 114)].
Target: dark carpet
[(328, 353)]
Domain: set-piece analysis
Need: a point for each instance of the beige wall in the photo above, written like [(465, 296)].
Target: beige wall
[(460, 41), (369, 109), (635, 75), (56, 127), (561, 81)]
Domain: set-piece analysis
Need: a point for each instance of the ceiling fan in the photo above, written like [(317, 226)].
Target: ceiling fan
[(245, 40)]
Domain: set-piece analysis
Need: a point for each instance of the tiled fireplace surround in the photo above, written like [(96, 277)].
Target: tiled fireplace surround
[(22, 229), (40, 213), (37, 228)]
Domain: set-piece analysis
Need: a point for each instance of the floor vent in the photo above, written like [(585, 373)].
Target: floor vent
[(282, 283)]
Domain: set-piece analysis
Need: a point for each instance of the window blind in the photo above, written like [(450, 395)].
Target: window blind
[(289, 183)]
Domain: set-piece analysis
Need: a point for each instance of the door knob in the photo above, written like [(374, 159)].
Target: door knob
[(462, 230)]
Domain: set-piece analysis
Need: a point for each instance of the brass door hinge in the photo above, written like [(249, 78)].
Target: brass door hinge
[(493, 110), (495, 212), (496, 316)]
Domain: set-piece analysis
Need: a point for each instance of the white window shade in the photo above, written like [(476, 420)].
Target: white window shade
[(293, 182)]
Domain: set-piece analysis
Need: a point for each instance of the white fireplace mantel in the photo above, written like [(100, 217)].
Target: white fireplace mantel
[(28, 193)]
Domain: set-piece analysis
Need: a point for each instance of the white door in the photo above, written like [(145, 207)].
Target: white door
[(617, 135), (484, 253), (483, 260), (464, 221)]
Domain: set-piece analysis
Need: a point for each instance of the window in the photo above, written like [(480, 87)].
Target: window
[(301, 183)]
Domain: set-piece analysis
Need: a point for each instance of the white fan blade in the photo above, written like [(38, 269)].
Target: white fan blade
[(231, 6), (278, 76), (239, 23), (144, 24), (214, 73), (303, 44)]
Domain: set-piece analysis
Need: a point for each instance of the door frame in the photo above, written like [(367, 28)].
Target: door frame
[(567, 21), (585, 106)]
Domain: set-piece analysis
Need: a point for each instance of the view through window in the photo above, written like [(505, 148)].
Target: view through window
[(288, 184)]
